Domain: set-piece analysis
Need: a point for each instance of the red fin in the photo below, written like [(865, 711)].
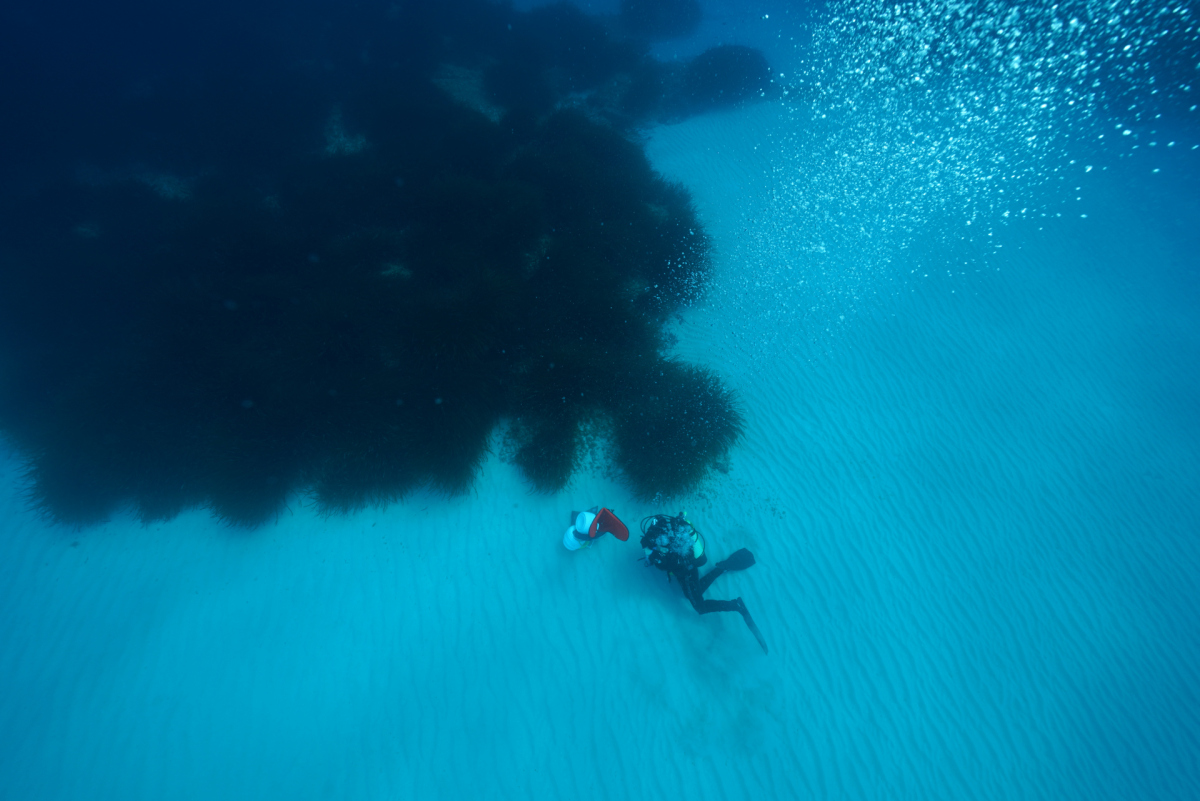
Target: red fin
[(607, 522)]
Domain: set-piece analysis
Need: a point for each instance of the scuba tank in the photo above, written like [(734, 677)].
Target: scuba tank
[(672, 543)]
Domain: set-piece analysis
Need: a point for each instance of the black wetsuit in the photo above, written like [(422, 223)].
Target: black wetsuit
[(679, 562), (694, 587)]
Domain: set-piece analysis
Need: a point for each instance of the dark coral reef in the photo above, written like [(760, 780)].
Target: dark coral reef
[(343, 278)]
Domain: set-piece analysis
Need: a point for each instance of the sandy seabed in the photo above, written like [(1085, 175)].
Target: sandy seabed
[(974, 507)]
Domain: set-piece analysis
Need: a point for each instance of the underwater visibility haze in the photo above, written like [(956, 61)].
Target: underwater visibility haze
[(318, 320)]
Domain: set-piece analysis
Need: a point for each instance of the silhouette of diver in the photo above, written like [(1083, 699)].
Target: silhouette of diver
[(673, 545)]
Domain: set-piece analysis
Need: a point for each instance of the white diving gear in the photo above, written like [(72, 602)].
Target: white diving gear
[(576, 537)]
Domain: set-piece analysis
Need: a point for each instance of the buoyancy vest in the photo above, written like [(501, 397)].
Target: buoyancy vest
[(672, 543)]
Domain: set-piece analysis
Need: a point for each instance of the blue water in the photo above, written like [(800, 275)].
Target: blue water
[(971, 477)]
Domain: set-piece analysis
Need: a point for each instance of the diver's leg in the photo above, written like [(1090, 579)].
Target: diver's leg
[(704, 607), (689, 582), (738, 560), (712, 575)]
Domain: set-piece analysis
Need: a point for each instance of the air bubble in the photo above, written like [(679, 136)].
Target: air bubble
[(874, 157)]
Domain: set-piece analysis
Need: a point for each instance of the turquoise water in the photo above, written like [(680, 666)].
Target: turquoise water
[(971, 477)]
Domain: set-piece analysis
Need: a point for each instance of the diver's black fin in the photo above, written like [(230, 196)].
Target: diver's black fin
[(738, 560), (757, 634), (750, 623)]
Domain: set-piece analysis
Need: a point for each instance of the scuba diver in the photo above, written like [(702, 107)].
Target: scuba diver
[(587, 526), (673, 545)]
